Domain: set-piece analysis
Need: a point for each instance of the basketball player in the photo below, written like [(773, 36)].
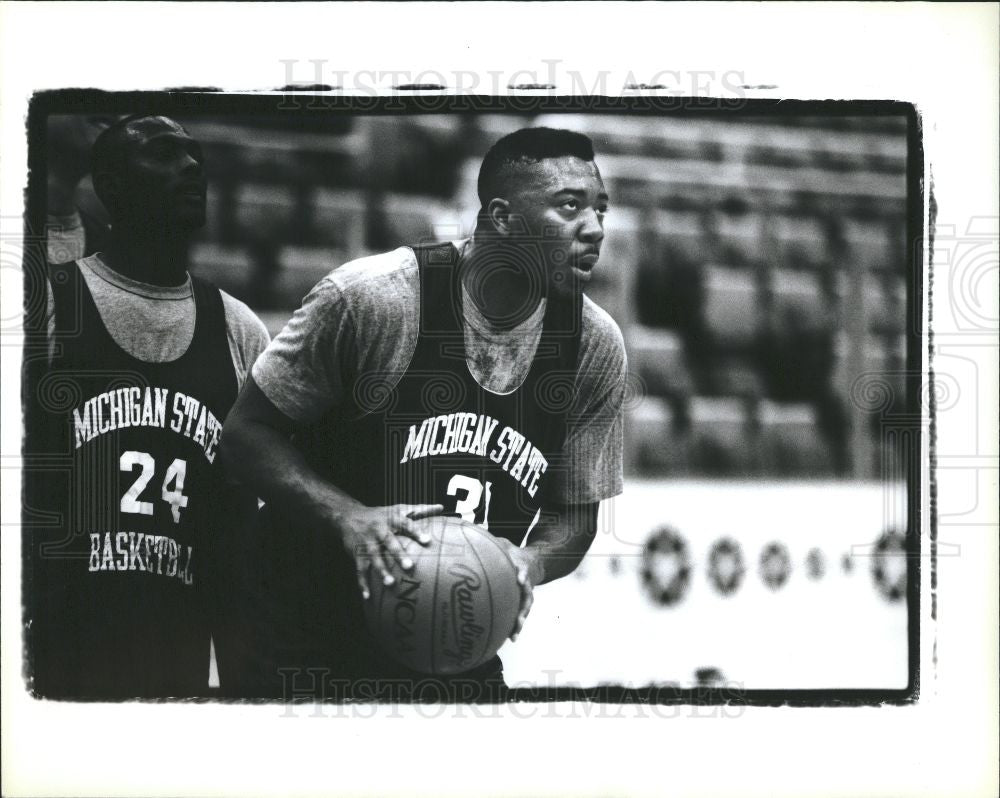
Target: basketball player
[(470, 378), (145, 363)]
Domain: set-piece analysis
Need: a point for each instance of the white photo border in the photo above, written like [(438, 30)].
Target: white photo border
[(942, 58)]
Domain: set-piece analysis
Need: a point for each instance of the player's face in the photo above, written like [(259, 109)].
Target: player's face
[(561, 207), (164, 179)]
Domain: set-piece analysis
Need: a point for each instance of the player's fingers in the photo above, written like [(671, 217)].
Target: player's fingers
[(527, 599), (413, 531), (394, 551), (407, 526), (419, 511), (380, 568), (361, 565), (523, 583), (518, 625)]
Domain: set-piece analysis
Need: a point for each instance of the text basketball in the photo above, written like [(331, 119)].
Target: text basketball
[(455, 608)]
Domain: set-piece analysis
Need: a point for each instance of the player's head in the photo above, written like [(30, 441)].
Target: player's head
[(540, 190), (149, 174)]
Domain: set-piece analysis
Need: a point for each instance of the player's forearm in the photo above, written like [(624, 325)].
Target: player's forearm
[(267, 461), (558, 543)]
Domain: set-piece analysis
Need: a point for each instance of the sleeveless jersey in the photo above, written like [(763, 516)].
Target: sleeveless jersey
[(430, 435), (118, 580)]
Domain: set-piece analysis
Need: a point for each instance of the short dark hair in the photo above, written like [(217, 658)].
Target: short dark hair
[(109, 147), (528, 145)]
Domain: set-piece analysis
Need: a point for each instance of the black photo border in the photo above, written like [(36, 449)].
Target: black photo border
[(317, 100)]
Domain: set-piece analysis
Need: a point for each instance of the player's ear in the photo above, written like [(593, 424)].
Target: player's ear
[(498, 213)]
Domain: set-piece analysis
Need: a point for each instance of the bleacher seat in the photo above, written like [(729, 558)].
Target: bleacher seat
[(801, 242), (299, 269), (878, 381), (788, 137), (648, 434), (799, 290), (309, 151), (773, 155), (664, 177), (885, 303), (720, 435), (227, 267), (790, 440), (657, 357), (738, 237), (734, 376), (668, 283), (868, 243), (730, 311), (414, 219), (264, 212), (612, 282), (338, 219), (673, 224), (215, 209)]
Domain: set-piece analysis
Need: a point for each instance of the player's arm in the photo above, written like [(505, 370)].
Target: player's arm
[(560, 539), (590, 465), (554, 549), (256, 446), (302, 376)]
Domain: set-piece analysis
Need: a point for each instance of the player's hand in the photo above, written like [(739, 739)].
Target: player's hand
[(526, 561), (371, 536)]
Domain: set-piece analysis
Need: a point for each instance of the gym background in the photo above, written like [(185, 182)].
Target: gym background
[(757, 268)]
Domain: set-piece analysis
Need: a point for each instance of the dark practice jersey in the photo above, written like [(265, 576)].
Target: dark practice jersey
[(118, 578), (431, 435)]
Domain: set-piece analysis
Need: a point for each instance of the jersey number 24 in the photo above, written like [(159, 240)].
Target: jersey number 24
[(174, 476)]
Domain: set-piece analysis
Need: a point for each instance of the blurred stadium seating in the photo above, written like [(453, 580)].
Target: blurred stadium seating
[(756, 266)]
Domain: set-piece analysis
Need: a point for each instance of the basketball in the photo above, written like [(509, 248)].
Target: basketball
[(455, 608)]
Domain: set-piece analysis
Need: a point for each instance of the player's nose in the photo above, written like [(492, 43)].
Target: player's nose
[(591, 227), (192, 167)]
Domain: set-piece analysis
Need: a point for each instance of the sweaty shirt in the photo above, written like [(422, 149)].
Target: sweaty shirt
[(156, 323), (362, 319)]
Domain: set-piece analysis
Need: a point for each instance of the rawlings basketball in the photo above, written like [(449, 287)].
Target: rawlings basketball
[(455, 608)]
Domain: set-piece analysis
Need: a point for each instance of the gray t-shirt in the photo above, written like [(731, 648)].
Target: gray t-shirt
[(155, 324), (363, 319), (65, 237)]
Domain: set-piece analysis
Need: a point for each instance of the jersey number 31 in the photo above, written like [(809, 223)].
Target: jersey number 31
[(469, 506)]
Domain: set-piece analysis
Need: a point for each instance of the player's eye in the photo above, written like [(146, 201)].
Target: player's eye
[(570, 204), (602, 212)]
